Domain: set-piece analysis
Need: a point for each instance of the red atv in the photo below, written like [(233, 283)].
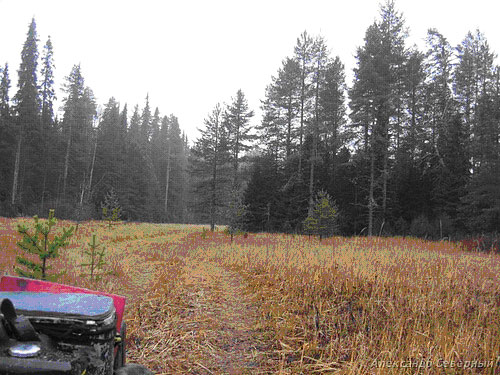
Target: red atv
[(53, 329)]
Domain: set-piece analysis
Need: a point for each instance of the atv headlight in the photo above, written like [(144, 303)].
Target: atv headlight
[(24, 350)]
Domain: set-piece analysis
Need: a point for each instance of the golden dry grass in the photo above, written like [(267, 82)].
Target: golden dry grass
[(272, 304)]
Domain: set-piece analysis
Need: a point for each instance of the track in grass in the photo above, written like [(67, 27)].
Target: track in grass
[(222, 320)]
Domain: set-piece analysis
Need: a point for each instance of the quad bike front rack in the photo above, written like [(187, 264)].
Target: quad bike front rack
[(42, 320)]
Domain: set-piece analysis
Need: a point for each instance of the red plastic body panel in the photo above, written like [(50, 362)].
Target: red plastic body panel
[(21, 284)]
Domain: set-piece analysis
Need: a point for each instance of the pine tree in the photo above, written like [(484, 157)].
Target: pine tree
[(238, 116), (209, 169), (7, 141), (473, 86), (332, 118), (175, 173), (374, 104), (137, 176), (27, 107), (111, 209), (145, 124), (304, 57), (320, 60), (278, 130), (446, 135), (95, 261), (4, 94), (322, 220), (262, 197), (47, 85), (110, 146), (134, 131), (47, 123), (40, 243), (79, 137)]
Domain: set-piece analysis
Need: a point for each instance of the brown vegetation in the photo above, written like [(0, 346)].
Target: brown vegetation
[(272, 304)]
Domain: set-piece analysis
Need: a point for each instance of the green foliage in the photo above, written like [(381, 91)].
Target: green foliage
[(322, 221), (111, 210), (96, 261), (39, 244)]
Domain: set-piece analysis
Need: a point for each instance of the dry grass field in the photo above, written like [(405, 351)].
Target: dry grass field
[(283, 304)]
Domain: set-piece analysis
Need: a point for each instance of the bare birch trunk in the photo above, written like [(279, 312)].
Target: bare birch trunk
[(16, 169), (92, 167), (167, 180), (371, 200), (66, 162)]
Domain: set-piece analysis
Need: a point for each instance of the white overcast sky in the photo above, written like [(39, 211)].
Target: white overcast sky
[(190, 55)]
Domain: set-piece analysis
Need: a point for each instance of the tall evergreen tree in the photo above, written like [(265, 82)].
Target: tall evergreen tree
[(79, 137), (27, 107), (110, 145), (209, 169), (6, 141), (447, 157), (4, 93), (332, 118), (373, 101), (47, 85), (278, 130), (47, 123), (238, 116), (134, 130), (175, 173), (473, 85), (304, 50), (145, 127), (319, 60)]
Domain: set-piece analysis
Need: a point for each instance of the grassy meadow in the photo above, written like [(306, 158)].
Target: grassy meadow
[(345, 305)]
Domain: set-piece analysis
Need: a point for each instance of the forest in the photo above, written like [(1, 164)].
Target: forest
[(410, 147)]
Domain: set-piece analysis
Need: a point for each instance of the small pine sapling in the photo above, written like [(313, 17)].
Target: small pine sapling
[(322, 220), (111, 210), (41, 245), (95, 261)]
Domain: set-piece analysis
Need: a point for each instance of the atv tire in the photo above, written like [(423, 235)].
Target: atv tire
[(120, 354), (132, 369)]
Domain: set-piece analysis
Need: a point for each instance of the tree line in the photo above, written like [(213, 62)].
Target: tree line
[(410, 147), (70, 164)]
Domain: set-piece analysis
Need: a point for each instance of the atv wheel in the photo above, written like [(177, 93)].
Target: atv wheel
[(120, 354), (132, 369)]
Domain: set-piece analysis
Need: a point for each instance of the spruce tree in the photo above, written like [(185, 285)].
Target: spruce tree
[(238, 116), (47, 85), (7, 141), (27, 106), (111, 209), (79, 138), (4, 94), (332, 119), (49, 134), (304, 50), (374, 105), (322, 220), (210, 169)]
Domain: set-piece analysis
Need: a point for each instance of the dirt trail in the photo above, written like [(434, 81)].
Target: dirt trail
[(222, 320)]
